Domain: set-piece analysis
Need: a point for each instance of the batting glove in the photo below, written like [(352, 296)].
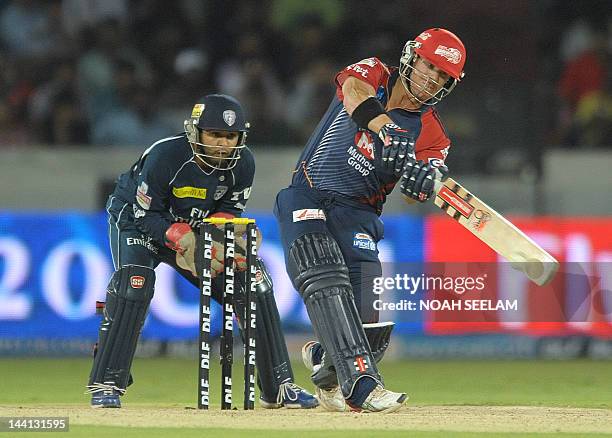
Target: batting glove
[(418, 179), (398, 144)]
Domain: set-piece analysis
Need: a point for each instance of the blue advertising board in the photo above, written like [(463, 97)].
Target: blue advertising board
[(53, 267)]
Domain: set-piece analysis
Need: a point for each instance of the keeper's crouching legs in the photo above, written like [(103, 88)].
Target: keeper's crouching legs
[(275, 375), (128, 296)]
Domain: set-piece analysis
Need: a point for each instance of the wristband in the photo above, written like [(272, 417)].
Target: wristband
[(366, 111)]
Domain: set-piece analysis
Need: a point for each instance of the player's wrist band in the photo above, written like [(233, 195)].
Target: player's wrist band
[(366, 111)]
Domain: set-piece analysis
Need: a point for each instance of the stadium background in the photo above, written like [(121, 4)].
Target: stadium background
[(87, 85)]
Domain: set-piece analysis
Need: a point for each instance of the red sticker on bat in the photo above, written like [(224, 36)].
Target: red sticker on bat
[(456, 201)]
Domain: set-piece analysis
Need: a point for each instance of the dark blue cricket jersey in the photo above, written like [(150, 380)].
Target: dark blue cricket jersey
[(166, 185), (341, 158)]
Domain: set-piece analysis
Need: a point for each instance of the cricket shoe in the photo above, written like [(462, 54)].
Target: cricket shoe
[(105, 396), (291, 396), (330, 399), (381, 400)]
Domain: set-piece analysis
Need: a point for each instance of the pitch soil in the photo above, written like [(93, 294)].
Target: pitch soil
[(524, 419)]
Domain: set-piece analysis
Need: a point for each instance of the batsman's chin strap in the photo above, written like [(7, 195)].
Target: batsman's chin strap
[(96, 387)]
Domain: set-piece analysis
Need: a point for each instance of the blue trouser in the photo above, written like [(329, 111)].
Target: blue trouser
[(129, 246), (356, 228)]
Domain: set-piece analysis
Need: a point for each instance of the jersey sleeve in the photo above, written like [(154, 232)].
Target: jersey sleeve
[(433, 144), (151, 205), (370, 70), (235, 200)]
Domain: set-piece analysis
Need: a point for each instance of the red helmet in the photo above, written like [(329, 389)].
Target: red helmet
[(441, 48)]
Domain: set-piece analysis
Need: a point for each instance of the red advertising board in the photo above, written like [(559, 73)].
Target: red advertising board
[(582, 245)]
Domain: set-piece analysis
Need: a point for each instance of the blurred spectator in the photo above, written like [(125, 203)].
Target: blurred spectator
[(286, 15), (55, 111), (189, 82), (583, 75), (77, 71), (251, 78), (78, 15), (29, 28), (310, 97), (97, 67), (134, 119)]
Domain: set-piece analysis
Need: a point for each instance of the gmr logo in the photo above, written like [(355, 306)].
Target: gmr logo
[(137, 281)]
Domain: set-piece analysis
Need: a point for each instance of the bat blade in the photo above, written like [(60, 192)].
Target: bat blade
[(496, 231)]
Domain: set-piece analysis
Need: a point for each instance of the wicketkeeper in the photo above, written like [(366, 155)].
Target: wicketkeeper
[(206, 171)]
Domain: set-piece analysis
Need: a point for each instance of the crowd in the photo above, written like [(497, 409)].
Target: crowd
[(126, 72)]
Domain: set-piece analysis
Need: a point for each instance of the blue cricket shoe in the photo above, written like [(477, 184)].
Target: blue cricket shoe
[(105, 396), (291, 396)]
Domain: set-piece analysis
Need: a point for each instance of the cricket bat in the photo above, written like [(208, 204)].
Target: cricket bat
[(496, 231)]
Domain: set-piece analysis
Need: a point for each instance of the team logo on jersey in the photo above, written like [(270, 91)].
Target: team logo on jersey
[(451, 54), (230, 117), (219, 192), (364, 241), (365, 144), (189, 192), (142, 198)]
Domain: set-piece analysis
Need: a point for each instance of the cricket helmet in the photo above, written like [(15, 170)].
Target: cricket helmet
[(441, 48), (217, 112)]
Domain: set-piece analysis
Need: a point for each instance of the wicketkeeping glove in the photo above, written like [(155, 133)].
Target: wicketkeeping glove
[(418, 179), (398, 144), (181, 238), (240, 239)]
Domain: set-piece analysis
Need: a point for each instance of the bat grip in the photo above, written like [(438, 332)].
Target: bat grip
[(438, 183)]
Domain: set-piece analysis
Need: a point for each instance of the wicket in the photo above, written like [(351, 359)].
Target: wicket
[(204, 261)]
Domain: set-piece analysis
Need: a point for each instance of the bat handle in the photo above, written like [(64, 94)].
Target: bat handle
[(438, 183)]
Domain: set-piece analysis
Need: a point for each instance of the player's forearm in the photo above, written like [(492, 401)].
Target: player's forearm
[(153, 224), (355, 93)]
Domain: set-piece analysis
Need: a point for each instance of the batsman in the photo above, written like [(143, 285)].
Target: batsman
[(205, 171), (380, 129)]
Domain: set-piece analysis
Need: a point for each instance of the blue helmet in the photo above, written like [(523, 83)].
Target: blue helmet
[(217, 112)]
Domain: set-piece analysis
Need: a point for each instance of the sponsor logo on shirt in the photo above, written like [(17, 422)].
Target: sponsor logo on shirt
[(307, 214), (364, 241), (359, 162), (141, 196), (189, 192), (145, 241), (359, 69), (138, 212), (365, 144)]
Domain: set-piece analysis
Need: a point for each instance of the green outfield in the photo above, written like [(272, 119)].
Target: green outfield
[(447, 398)]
